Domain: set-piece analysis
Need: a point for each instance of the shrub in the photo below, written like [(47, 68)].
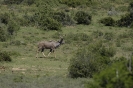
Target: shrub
[(4, 56), (50, 24), (12, 27), (44, 18), (108, 51), (125, 20), (82, 17), (4, 18), (107, 21), (63, 18), (89, 60)]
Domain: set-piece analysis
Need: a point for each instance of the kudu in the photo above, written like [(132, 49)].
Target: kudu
[(52, 45)]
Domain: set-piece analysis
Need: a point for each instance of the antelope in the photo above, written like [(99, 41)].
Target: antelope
[(52, 45)]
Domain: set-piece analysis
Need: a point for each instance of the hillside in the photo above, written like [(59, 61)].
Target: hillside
[(25, 23)]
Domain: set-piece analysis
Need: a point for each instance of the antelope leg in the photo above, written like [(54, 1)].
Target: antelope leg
[(49, 53), (43, 54)]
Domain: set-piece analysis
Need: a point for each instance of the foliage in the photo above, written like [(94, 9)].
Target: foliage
[(115, 76), (4, 56), (83, 18), (89, 60), (108, 21)]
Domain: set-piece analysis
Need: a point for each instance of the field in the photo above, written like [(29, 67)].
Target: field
[(27, 71)]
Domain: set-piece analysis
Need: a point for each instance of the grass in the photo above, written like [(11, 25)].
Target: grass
[(27, 71)]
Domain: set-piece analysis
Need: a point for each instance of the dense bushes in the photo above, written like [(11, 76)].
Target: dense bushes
[(90, 60), (4, 56), (83, 18)]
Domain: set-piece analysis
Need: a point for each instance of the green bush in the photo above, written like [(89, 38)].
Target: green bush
[(44, 18), (12, 27), (63, 18), (90, 60), (125, 20), (108, 51), (108, 21), (83, 18), (50, 24), (4, 56)]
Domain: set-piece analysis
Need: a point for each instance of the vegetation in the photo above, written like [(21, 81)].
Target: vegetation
[(90, 60), (82, 18), (5, 56), (96, 52)]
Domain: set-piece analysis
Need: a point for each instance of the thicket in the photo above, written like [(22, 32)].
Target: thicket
[(118, 75), (90, 60)]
